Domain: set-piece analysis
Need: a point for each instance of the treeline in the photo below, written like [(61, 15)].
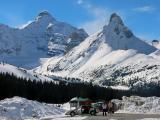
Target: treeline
[(147, 89), (51, 92)]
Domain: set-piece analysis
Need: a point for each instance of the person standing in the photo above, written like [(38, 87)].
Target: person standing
[(110, 107), (104, 107)]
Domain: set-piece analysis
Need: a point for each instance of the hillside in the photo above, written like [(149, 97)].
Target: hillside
[(22, 73), (112, 56)]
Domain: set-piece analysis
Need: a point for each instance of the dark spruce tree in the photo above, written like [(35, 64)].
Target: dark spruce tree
[(51, 92)]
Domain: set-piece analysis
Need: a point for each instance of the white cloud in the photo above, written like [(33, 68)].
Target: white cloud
[(93, 26), (79, 2), (144, 9), (100, 17)]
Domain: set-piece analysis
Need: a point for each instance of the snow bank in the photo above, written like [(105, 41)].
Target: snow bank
[(17, 108), (136, 104), (66, 106)]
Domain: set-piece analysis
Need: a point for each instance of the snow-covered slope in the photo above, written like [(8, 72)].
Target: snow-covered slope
[(43, 37), (140, 105), (22, 73), (17, 108), (118, 36), (112, 56)]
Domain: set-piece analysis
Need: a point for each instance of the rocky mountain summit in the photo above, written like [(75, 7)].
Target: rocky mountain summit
[(43, 37)]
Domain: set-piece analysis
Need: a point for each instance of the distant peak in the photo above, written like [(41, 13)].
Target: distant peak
[(117, 26), (44, 14), (116, 19)]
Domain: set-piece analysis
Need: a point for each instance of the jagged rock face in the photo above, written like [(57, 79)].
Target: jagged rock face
[(114, 36), (116, 20), (118, 36), (43, 37)]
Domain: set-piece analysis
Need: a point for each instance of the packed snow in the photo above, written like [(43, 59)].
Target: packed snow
[(139, 105), (17, 108)]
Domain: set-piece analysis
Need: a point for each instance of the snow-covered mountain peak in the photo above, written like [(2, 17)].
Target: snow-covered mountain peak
[(117, 27), (43, 37), (115, 19), (101, 53), (45, 15), (119, 37), (40, 23)]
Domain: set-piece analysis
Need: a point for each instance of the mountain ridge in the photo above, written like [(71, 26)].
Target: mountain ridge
[(43, 37), (112, 56), (106, 57)]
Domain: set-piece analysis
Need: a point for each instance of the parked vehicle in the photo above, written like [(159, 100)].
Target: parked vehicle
[(84, 109), (86, 106)]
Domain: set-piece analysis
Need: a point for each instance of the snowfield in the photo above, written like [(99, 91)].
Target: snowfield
[(18, 108), (22, 73), (139, 105)]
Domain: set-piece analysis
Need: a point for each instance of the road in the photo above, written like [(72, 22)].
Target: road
[(116, 116), (123, 116)]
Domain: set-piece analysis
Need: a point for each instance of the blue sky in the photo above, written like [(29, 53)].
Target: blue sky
[(141, 16)]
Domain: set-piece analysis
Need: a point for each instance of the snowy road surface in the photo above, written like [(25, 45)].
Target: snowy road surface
[(117, 116)]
